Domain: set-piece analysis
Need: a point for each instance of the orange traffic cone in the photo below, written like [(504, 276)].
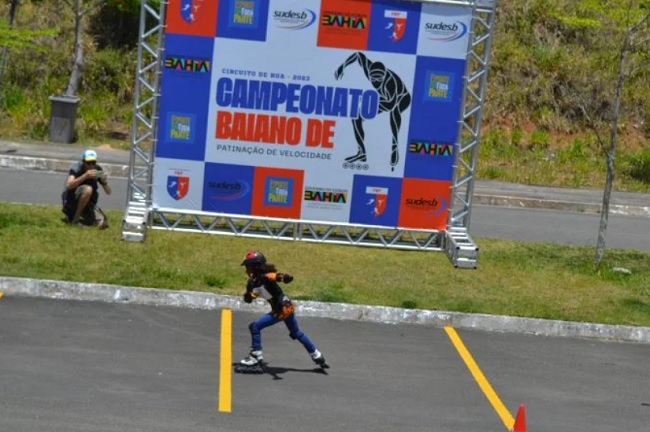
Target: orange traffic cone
[(520, 420)]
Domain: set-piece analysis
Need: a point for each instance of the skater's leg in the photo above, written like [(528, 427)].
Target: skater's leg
[(295, 333), (255, 357), (359, 136), (395, 123), (256, 328)]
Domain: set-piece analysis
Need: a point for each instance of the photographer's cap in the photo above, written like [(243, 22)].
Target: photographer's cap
[(89, 156)]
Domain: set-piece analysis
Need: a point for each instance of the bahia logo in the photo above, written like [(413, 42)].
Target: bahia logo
[(228, 190), (326, 196), (432, 206), (445, 32), (294, 20), (335, 19), (187, 64), (426, 148)]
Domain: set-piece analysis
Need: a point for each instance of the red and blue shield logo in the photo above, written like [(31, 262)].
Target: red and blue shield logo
[(189, 10), (377, 200), (178, 186), (396, 24)]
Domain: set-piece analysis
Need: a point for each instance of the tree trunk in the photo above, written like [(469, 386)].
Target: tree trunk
[(78, 62), (611, 155), (3, 55)]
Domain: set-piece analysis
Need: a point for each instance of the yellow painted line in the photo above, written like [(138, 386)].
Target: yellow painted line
[(482, 382), (225, 373), (1, 294)]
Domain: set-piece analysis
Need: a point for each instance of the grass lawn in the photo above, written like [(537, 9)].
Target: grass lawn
[(513, 278)]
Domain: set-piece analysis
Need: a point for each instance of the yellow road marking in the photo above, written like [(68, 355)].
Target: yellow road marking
[(225, 374), (1, 294), (482, 382)]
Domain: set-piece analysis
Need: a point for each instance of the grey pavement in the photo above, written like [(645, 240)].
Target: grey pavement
[(58, 157)]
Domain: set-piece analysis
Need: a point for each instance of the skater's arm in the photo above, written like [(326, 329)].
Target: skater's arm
[(280, 277), (356, 57), (250, 295)]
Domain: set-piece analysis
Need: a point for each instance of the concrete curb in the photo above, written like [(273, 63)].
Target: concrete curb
[(522, 202), (389, 315)]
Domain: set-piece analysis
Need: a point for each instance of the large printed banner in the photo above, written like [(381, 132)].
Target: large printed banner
[(342, 111)]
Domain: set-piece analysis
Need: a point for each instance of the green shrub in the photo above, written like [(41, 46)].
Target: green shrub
[(11, 97), (576, 151), (539, 140), (516, 136), (409, 304), (492, 173), (639, 166)]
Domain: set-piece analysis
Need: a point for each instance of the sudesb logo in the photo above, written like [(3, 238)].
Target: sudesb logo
[(294, 20), (444, 32), (225, 190), (433, 205)]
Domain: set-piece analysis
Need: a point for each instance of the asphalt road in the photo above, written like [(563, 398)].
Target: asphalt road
[(530, 225), (68, 366)]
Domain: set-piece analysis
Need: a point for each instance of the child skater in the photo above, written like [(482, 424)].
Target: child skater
[(263, 281)]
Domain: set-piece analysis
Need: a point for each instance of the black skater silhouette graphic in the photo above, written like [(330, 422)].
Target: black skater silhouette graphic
[(393, 98)]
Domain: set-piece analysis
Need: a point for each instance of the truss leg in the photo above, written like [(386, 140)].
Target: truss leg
[(460, 248), (134, 225)]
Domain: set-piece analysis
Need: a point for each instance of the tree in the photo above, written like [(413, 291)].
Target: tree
[(627, 23), (636, 38), (80, 9)]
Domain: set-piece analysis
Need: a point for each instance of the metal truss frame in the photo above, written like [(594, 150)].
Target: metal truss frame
[(455, 241)]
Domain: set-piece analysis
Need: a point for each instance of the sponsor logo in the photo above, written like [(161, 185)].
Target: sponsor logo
[(377, 200), (186, 64), (294, 20), (178, 185), (438, 86), (244, 13), (431, 206), (228, 190), (190, 10), (396, 24), (278, 192), (444, 31), (353, 22), (181, 127), (332, 196), (430, 149)]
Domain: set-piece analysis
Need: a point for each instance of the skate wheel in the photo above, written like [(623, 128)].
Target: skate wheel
[(242, 369), (346, 165)]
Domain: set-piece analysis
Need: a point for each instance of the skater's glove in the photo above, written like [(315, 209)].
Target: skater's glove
[(285, 277), (248, 297)]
